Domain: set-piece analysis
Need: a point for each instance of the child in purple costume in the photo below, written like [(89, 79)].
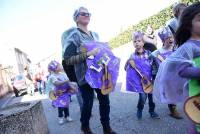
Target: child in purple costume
[(133, 79), (160, 55), (175, 72), (60, 81)]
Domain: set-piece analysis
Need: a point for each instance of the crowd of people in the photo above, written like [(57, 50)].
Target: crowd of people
[(150, 71)]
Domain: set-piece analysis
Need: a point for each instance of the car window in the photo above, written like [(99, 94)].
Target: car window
[(19, 77)]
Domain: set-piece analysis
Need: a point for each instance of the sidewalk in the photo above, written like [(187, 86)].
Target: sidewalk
[(6, 100)]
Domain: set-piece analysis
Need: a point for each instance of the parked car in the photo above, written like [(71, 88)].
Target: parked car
[(19, 85)]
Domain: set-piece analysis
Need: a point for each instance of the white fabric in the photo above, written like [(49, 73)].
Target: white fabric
[(161, 50)]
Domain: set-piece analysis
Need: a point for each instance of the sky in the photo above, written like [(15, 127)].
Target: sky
[(36, 26)]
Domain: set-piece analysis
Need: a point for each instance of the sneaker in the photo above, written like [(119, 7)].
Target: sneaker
[(154, 115), (69, 119), (61, 120), (139, 114)]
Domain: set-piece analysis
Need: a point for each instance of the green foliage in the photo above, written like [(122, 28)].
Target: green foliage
[(189, 1), (156, 21)]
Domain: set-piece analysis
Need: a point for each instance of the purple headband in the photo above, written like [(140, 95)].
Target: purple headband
[(138, 34), (164, 33), (53, 65)]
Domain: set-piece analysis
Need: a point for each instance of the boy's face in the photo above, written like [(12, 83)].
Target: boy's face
[(169, 41), (138, 43)]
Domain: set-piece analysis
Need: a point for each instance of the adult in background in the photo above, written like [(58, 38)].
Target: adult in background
[(174, 22), (150, 40), (173, 26), (29, 81), (39, 78)]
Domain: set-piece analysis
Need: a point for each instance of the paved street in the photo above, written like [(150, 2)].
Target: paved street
[(123, 118)]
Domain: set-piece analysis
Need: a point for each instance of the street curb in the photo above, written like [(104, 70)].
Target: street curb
[(8, 99)]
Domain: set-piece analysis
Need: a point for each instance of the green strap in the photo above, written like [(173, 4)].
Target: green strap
[(198, 128), (194, 85)]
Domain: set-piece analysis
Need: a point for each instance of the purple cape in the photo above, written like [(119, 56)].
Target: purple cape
[(95, 64), (133, 80), (63, 98)]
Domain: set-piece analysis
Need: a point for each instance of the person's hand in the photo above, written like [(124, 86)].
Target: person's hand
[(93, 52)]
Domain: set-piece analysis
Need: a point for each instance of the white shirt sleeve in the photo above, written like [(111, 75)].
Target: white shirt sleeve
[(53, 78), (64, 76)]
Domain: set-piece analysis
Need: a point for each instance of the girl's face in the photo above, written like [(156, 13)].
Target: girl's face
[(196, 25), (59, 68), (169, 41), (138, 43)]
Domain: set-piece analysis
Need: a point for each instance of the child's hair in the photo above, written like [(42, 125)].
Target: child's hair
[(137, 34), (184, 30), (176, 9), (164, 33), (52, 66)]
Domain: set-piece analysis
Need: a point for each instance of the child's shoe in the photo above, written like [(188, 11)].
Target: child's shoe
[(69, 119), (154, 115), (61, 121)]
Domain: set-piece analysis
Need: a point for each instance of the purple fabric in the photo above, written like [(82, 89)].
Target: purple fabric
[(192, 128), (63, 99), (93, 77), (73, 88), (63, 88), (133, 80), (169, 86), (164, 55), (188, 71)]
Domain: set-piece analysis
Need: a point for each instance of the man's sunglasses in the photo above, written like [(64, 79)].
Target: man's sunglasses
[(84, 14)]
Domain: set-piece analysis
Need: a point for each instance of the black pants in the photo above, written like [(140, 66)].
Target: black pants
[(62, 110), (69, 70), (142, 99), (104, 106)]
